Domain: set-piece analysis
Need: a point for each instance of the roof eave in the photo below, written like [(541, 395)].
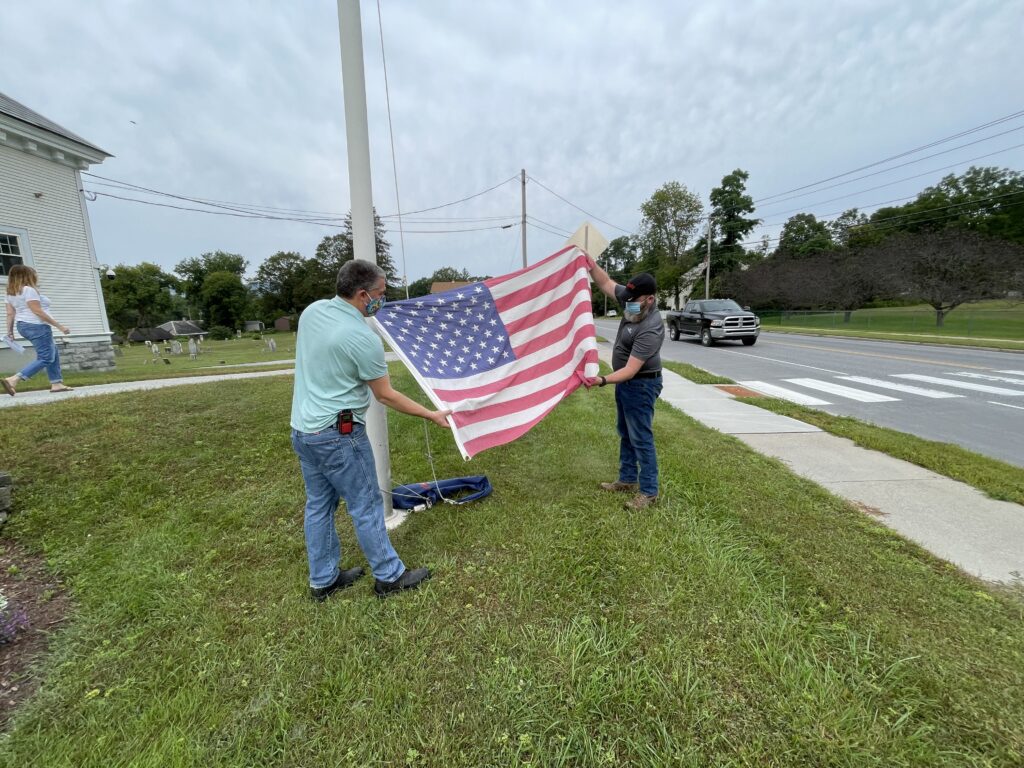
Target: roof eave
[(25, 137)]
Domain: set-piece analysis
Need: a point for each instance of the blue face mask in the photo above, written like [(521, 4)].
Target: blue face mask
[(374, 306), (633, 307)]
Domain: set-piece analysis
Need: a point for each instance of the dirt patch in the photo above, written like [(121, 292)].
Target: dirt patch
[(873, 511), (30, 587), (737, 391)]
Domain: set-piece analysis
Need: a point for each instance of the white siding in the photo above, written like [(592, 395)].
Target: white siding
[(58, 239)]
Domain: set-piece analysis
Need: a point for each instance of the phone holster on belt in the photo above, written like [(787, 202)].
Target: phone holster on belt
[(345, 422)]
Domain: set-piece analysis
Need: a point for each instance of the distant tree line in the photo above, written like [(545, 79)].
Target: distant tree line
[(211, 289), (961, 240)]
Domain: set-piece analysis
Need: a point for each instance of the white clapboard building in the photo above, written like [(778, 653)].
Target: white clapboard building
[(44, 224)]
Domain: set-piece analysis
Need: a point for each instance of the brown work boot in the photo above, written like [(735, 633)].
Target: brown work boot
[(641, 501), (620, 487)]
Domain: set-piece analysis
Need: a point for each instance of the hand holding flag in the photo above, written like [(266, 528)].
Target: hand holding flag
[(500, 354)]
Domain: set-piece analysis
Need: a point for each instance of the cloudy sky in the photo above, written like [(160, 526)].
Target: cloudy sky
[(600, 102)]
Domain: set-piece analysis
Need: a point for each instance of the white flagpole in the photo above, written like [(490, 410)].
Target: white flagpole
[(364, 246)]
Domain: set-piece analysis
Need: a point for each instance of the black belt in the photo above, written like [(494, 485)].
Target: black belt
[(647, 375)]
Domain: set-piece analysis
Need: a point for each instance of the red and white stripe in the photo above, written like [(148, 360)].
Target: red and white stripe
[(546, 310)]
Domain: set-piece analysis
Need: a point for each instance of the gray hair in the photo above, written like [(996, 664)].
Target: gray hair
[(357, 275)]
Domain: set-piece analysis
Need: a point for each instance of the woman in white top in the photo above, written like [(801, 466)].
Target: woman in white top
[(27, 308)]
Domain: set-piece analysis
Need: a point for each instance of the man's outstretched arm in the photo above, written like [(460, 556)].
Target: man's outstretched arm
[(392, 398), (604, 283)]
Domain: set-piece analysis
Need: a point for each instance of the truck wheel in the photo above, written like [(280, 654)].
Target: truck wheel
[(705, 338), (749, 341), (673, 332)]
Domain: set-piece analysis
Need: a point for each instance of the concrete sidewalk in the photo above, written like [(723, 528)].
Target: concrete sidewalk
[(44, 396), (982, 536)]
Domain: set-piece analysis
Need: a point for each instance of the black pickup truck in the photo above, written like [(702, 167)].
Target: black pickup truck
[(712, 320)]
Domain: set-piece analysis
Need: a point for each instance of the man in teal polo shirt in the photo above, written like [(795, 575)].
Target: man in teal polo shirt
[(339, 362)]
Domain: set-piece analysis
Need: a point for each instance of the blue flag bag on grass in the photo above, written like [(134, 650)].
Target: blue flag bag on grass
[(459, 490)]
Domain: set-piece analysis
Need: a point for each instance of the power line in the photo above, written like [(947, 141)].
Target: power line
[(901, 165), (921, 148), (315, 216), (455, 202), (515, 248), (116, 183), (287, 218), (883, 203), (896, 222), (891, 183), (394, 163), (547, 224), (545, 229), (596, 218), (235, 214), (459, 219)]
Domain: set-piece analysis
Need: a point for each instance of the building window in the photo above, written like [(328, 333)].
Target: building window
[(10, 253)]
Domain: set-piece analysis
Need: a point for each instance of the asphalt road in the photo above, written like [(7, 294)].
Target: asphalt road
[(970, 397)]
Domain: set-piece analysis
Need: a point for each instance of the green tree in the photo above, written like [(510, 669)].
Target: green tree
[(989, 201), (853, 229), (950, 267), (670, 218), (195, 270), (421, 287), (225, 299), (729, 205), (803, 235), (620, 260), (335, 250), (286, 283), (141, 296)]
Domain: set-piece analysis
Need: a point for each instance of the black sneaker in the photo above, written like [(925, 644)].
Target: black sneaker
[(408, 580), (345, 579)]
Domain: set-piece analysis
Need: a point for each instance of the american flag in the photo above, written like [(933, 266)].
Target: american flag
[(500, 353)]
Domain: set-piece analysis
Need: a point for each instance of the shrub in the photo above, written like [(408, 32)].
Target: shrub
[(221, 332)]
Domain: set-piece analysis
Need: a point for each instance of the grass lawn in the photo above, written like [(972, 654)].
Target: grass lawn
[(998, 479), (137, 362), (695, 374), (750, 619), (997, 324)]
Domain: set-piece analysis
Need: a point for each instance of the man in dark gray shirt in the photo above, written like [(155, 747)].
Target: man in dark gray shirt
[(636, 364)]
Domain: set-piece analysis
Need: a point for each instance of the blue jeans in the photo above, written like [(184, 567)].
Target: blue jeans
[(336, 466), (634, 404), (46, 351)]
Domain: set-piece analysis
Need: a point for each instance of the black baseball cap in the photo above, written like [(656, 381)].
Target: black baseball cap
[(641, 285)]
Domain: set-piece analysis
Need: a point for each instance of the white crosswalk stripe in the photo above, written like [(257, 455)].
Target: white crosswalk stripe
[(908, 388), (961, 384), (1007, 405), (848, 392), (783, 394), (988, 377)]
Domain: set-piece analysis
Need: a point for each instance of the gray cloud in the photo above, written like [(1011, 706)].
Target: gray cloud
[(603, 102)]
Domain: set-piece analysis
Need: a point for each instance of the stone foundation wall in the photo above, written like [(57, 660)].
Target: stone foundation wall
[(87, 356), (5, 497)]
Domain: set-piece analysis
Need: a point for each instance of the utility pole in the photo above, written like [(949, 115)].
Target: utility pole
[(357, 135), (522, 176), (605, 294), (707, 274)]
